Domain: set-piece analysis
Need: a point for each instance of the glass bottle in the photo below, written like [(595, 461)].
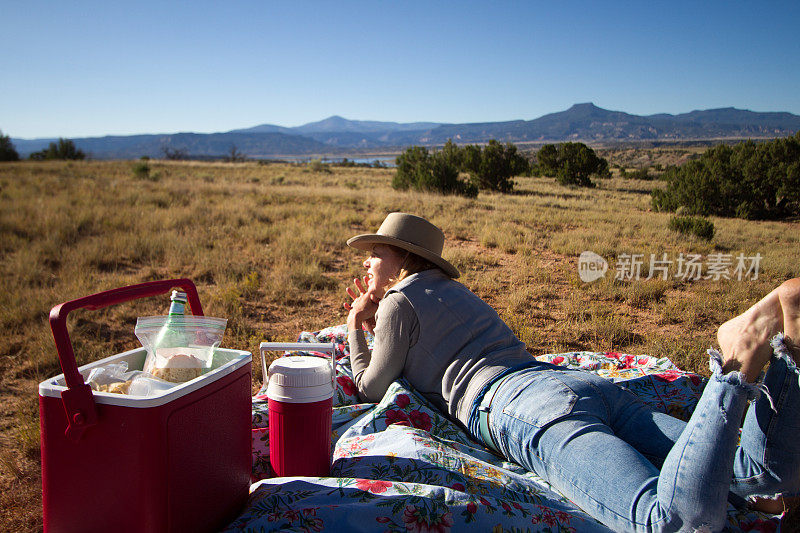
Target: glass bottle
[(172, 333)]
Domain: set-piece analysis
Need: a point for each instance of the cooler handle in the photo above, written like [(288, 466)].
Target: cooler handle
[(265, 347), (78, 401)]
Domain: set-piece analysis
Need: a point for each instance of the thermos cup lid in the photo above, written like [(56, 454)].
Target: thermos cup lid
[(300, 379)]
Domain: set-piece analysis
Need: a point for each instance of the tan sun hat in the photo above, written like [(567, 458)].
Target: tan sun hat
[(411, 233)]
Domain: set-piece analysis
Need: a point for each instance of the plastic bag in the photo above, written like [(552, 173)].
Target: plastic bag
[(179, 348), (144, 384), (115, 378), (100, 378)]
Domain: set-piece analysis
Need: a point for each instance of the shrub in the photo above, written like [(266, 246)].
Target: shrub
[(571, 164), (63, 149), (750, 180), (316, 165), (174, 154), (7, 150), (492, 167), (421, 170), (141, 171), (638, 174), (410, 164), (489, 168), (234, 155), (452, 155), (688, 225)]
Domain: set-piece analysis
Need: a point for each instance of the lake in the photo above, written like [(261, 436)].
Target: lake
[(384, 160)]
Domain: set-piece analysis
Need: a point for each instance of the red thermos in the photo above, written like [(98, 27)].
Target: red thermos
[(300, 399)]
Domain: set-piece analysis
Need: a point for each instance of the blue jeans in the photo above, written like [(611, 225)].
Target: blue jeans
[(636, 469)]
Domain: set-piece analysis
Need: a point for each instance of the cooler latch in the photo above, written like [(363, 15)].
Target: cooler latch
[(80, 409)]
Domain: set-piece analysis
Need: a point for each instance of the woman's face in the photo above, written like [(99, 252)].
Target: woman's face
[(382, 265)]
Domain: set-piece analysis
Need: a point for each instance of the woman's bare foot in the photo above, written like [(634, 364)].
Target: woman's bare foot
[(772, 506), (744, 340), (778, 505), (789, 296)]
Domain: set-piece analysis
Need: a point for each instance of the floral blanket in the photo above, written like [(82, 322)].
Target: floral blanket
[(400, 465)]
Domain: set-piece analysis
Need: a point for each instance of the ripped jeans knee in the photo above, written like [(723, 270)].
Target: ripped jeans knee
[(767, 463)]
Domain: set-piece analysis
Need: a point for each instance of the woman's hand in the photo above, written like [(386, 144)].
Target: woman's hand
[(363, 307)]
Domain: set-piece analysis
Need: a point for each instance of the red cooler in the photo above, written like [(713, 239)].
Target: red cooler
[(176, 462), (300, 400)]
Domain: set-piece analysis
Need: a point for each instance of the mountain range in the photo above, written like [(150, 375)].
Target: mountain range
[(339, 136)]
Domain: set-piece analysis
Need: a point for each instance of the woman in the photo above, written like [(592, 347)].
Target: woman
[(630, 467)]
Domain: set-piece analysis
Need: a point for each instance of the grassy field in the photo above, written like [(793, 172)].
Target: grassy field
[(265, 245)]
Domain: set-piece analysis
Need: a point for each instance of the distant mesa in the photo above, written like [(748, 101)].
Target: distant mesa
[(337, 124), (336, 135)]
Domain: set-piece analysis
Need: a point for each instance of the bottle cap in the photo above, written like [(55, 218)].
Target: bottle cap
[(178, 295)]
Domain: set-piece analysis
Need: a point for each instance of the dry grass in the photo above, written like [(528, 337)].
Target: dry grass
[(632, 158), (265, 245)]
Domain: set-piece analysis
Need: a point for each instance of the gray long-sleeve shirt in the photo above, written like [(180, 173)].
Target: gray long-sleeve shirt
[(447, 342)]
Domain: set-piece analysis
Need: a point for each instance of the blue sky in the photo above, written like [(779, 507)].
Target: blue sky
[(86, 68)]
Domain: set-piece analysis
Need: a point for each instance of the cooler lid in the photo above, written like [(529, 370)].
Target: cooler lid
[(300, 371)]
